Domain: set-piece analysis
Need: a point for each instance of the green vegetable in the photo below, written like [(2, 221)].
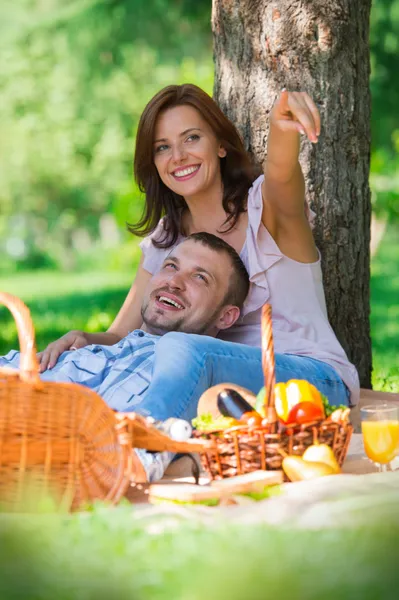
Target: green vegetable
[(260, 401), (208, 502), (329, 408), (268, 492), (207, 423)]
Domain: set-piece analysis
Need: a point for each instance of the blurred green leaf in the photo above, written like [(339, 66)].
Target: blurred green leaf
[(74, 79)]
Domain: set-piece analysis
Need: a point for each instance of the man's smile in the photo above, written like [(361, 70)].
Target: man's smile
[(168, 301)]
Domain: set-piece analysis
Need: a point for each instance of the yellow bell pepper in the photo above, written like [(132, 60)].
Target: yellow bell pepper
[(288, 395)]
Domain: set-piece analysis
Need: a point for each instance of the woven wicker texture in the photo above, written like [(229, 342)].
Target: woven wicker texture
[(55, 438), (61, 440), (240, 450)]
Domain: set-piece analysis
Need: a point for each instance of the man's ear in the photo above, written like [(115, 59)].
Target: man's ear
[(227, 317)]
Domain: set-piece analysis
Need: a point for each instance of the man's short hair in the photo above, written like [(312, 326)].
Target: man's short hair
[(239, 279)]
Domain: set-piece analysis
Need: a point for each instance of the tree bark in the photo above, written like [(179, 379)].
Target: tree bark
[(321, 47)]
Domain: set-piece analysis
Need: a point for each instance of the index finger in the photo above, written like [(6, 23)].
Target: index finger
[(283, 99), (315, 112), (44, 358)]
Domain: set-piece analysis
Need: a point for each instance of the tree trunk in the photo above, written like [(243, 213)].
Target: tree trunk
[(321, 47)]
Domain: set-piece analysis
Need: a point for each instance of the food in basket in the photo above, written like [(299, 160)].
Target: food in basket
[(298, 469), (232, 404), (340, 415), (237, 410), (207, 422), (288, 395), (294, 417), (305, 412), (321, 453)]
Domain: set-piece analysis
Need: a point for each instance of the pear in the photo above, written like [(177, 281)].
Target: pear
[(322, 453), (298, 469)]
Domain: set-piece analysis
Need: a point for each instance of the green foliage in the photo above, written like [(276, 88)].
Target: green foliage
[(384, 46), (74, 78), (384, 183), (385, 312)]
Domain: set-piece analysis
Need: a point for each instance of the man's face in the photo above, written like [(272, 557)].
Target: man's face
[(188, 293)]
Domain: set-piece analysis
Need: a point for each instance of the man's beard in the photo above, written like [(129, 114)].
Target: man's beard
[(179, 324)]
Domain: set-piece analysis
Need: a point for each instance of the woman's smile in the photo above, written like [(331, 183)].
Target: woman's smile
[(185, 173)]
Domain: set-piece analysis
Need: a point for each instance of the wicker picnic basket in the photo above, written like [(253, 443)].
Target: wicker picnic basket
[(61, 440), (243, 449)]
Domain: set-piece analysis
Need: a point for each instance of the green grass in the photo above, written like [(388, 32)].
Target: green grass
[(89, 301), (113, 554), (60, 302)]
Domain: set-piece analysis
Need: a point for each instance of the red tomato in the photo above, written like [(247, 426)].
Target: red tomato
[(304, 412), (252, 419)]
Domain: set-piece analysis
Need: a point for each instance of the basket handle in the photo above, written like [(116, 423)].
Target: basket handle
[(29, 365), (268, 363)]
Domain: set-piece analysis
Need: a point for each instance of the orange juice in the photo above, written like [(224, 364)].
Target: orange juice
[(381, 440)]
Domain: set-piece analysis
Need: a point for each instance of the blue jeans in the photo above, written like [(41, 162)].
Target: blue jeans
[(187, 364)]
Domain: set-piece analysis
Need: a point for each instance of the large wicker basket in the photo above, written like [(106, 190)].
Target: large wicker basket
[(61, 440), (244, 449)]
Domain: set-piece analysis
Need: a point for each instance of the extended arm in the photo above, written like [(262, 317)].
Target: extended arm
[(283, 191)]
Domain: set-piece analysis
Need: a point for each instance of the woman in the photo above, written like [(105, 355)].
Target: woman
[(193, 168)]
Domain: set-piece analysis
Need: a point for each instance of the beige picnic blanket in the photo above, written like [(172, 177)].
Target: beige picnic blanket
[(337, 501), (359, 495)]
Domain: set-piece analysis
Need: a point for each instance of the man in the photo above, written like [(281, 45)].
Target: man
[(200, 289)]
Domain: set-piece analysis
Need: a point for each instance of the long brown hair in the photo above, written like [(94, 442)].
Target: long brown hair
[(236, 168)]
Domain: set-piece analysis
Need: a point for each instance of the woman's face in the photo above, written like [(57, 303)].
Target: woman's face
[(186, 152)]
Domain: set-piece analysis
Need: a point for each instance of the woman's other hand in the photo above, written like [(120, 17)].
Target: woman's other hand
[(73, 340), (296, 111)]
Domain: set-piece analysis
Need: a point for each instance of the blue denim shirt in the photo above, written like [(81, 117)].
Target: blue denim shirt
[(120, 374)]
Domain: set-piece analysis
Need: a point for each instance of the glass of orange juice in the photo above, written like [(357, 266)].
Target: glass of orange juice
[(380, 428)]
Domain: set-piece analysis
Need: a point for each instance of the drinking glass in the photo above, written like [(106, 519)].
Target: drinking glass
[(380, 428)]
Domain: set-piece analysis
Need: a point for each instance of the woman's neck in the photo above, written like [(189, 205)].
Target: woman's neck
[(205, 211), (210, 217)]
